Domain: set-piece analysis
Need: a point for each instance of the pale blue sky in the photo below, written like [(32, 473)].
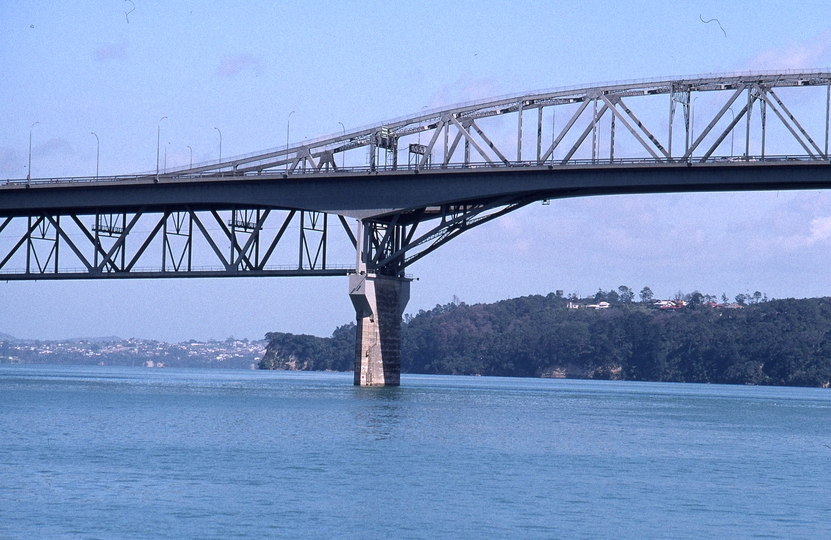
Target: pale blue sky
[(78, 67)]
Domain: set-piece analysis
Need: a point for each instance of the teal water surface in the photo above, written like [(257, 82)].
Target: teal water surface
[(101, 452)]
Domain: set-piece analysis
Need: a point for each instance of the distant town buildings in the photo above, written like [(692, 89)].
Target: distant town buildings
[(231, 353), (665, 305)]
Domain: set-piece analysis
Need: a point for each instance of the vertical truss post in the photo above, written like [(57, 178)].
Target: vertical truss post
[(687, 112), (313, 228), (467, 152), (323, 241), (612, 141), (302, 240), (233, 244), (57, 240), (164, 240), (671, 118), (747, 128), (539, 133), (372, 153), (763, 112), (594, 130), (107, 226), (553, 132), (177, 254), (257, 239), (97, 247), (38, 234), (519, 131), (190, 241), (123, 247), (29, 247), (380, 242), (827, 117), (442, 131), (676, 97)]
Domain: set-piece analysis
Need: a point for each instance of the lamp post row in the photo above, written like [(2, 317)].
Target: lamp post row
[(97, 153), (29, 169), (158, 147)]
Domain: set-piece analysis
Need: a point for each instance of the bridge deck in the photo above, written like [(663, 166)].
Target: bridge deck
[(362, 193)]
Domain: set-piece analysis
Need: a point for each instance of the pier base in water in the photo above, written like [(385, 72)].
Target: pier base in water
[(379, 303)]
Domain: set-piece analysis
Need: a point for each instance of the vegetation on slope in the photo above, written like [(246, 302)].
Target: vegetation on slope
[(780, 342)]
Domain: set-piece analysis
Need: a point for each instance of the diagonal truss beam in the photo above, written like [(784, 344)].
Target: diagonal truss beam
[(383, 255), (730, 127), (589, 129), (37, 245), (566, 129), (788, 124), (472, 141), (631, 129), (642, 127), (713, 123)]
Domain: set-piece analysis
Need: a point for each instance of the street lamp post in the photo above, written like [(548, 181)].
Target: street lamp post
[(97, 153), (220, 144), (158, 139), (29, 170), (343, 155), (191, 156), (288, 126)]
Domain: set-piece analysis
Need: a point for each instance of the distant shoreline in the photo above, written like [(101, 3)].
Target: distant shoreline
[(230, 353), (777, 342)]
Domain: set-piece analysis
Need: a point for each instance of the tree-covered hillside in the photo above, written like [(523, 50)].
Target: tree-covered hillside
[(780, 342)]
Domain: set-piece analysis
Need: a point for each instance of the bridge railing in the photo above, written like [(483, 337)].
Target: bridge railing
[(382, 168)]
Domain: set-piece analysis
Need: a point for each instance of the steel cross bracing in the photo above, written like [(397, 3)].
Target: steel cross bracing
[(578, 122), (720, 123), (181, 242), (389, 246), (459, 137)]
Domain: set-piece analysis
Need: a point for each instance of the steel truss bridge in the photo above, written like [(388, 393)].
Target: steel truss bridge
[(416, 183)]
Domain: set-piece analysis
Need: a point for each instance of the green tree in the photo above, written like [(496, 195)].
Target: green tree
[(695, 298), (646, 295)]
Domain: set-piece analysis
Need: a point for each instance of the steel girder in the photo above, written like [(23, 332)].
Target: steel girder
[(453, 134), (457, 136), (478, 136), (398, 240), (180, 242)]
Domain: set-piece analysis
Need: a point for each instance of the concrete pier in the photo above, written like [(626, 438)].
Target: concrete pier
[(379, 303)]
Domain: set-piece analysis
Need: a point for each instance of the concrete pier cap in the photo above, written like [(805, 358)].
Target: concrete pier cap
[(379, 303)]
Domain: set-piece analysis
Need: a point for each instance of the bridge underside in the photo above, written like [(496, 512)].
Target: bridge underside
[(364, 195)]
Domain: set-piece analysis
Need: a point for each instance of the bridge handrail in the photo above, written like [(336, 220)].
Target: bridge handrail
[(365, 169)]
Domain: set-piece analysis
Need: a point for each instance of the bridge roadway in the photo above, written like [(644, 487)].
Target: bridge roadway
[(363, 194), (405, 211)]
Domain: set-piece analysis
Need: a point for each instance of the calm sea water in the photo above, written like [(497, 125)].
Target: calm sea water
[(100, 452)]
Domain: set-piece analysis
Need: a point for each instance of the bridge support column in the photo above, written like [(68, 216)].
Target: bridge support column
[(379, 303)]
